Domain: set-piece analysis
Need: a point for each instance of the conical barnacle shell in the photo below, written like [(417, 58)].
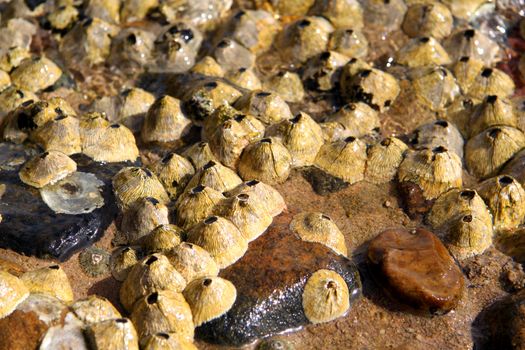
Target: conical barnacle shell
[(47, 168), (468, 235), (131, 184), (133, 105), (165, 121), (209, 298), (24, 119), (153, 273), (350, 69), (334, 131), (286, 84), (428, 19), (435, 87), (133, 10), (115, 143), (216, 176), (433, 170), (167, 341), (358, 118), (208, 66), (324, 70), (268, 107), (492, 111), (349, 43), (325, 296), (455, 202), (221, 238), (345, 159), (320, 228), (12, 97), (425, 51), (122, 261), (489, 150), (466, 70), (199, 154), (231, 55), (384, 159), (196, 204), (12, 292), (302, 136), (60, 134), (459, 113), (245, 78), (267, 160), (254, 29), (174, 172), (162, 239), (164, 311), (192, 261), (264, 194), (140, 219), (463, 9), (51, 280), (113, 334), (491, 81), (92, 126), (438, 133), (506, 199), (342, 14), (36, 74), (94, 309), (472, 43), (248, 214)]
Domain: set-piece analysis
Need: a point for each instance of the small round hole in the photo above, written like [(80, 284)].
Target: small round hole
[(206, 282), (211, 220), (505, 181), (152, 298)]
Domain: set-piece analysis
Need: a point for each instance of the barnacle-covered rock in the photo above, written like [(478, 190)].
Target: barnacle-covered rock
[(132, 48), (192, 261), (466, 70), (438, 133), (174, 172), (491, 112), (341, 13), (435, 87), (268, 160), (113, 334), (324, 70), (245, 78), (425, 51), (216, 176), (250, 216), (50, 280), (60, 134), (122, 261), (136, 10), (488, 151), (141, 218), (208, 66), (263, 194), (384, 15), (320, 228), (471, 43), (177, 46), (491, 81), (196, 204), (268, 107), (162, 239), (286, 84), (13, 291), (47, 168), (384, 159), (94, 309), (232, 56), (359, 119), (35, 74), (165, 121), (199, 154), (167, 341), (428, 19), (349, 42)]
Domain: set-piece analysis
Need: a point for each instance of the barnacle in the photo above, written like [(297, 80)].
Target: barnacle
[(94, 309), (13, 291), (199, 154), (12, 97), (174, 172), (47, 168), (384, 15), (491, 112), (250, 216), (216, 176), (132, 48), (50, 280), (288, 85), (35, 74), (435, 87), (438, 133), (349, 42), (132, 106), (491, 81), (264, 194), (268, 107), (167, 341), (192, 261), (384, 159), (162, 239), (208, 66), (140, 219), (112, 335), (425, 51), (468, 235), (432, 19), (165, 121), (471, 43), (466, 70), (359, 119), (121, 262), (459, 114), (133, 10), (245, 78), (232, 56), (320, 228), (196, 204), (341, 13), (59, 134), (324, 70)]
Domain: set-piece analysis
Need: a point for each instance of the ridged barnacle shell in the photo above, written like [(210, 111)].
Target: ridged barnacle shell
[(341, 13), (132, 48), (162, 239), (199, 154), (463, 9), (132, 106), (165, 121), (167, 341), (286, 84), (92, 126), (216, 176), (209, 67), (51, 280), (459, 113), (466, 69), (221, 238), (196, 204), (94, 309), (209, 298), (163, 311), (192, 261), (384, 15), (384, 159), (350, 69), (334, 131), (245, 78), (12, 293), (60, 134), (345, 159), (141, 218), (468, 235), (428, 19), (264, 194), (433, 170), (435, 87), (131, 184), (320, 228), (231, 55), (324, 70), (35, 74), (174, 172), (438, 133), (491, 112), (471, 43), (268, 107), (349, 43), (153, 273), (47, 168), (122, 261), (325, 296), (492, 81), (113, 334), (359, 119), (488, 151), (424, 51)]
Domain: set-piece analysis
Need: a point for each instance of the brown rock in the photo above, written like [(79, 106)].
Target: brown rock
[(21, 331), (417, 269)]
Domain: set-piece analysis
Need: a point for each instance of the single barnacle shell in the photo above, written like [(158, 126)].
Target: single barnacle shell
[(325, 296), (359, 119), (249, 215), (438, 133), (468, 236), (60, 134), (459, 114), (435, 87), (209, 67), (425, 51), (221, 238), (471, 43), (133, 104), (165, 121), (131, 184), (324, 70), (428, 19), (304, 39), (36, 74), (288, 85), (262, 193), (174, 172), (51, 280), (491, 81), (384, 15), (384, 159), (192, 261), (349, 42), (196, 204), (47, 168), (245, 78), (136, 10), (216, 176), (162, 239), (199, 154), (176, 47), (113, 334), (116, 144), (267, 159), (345, 159), (506, 199), (341, 13), (92, 127), (320, 228), (131, 48), (488, 151), (492, 111), (268, 107), (163, 311), (167, 341), (94, 309), (463, 9), (373, 87), (334, 131), (302, 136), (12, 97), (209, 298), (466, 70), (13, 57), (107, 10), (121, 262), (231, 55), (141, 218), (12, 292), (433, 170), (151, 274)]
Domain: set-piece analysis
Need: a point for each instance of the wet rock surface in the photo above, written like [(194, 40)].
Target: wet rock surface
[(270, 280)]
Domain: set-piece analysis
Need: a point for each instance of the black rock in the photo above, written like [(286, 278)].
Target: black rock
[(322, 182)]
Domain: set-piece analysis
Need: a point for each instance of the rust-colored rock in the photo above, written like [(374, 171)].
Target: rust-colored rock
[(21, 331), (417, 269), (415, 204)]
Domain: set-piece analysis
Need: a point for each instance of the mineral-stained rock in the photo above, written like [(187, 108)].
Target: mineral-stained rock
[(269, 291), (417, 269), (21, 331)]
